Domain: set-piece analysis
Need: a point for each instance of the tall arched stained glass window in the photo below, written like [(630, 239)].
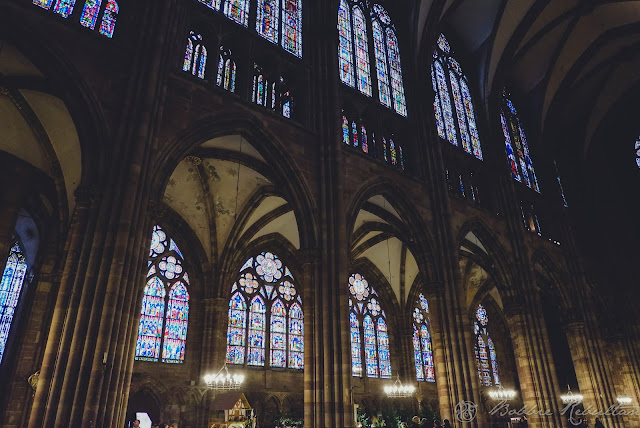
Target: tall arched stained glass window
[(369, 331), (453, 107), (90, 13), (386, 54), (13, 276), (637, 148), (238, 11), (485, 350), (166, 287), (266, 320), (195, 56), (422, 350), (108, 25), (516, 145)]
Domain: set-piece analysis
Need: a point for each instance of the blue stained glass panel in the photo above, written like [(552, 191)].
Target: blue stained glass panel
[(10, 289), (64, 7), (381, 64), (267, 19), (362, 51), (237, 10), (90, 13), (45, 4), (345, 48), (292, 27), (370, 351), (400, 104), (356, 358)]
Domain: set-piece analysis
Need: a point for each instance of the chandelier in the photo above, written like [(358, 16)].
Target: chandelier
[(570, 397), (398, 390), (502, 394), (224, 381)]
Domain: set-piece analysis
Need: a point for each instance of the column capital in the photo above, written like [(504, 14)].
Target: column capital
[(433, 289), (513, 306)]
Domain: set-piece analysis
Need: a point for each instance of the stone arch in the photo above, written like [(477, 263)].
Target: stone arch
[(551, 279), (286, 176), (414, 228), (495, 260)]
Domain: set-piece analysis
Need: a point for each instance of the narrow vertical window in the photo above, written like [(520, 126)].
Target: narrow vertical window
[(238, 11), (15, 271), (354, 131), (362, 51), (345, 47), (365, 144), (267, 19), (164, 315), (392, 150), (381, 64), (108, 25), (292, 27), (399, 102), (64, 7), (90, 13), (345, 130)]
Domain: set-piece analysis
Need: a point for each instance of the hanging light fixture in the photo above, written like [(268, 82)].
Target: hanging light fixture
[(224, 381), (624, 400), (570, 397), (398, 390), (502, 394)]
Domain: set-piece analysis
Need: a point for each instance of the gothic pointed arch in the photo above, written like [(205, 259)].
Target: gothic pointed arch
[(266, 317), (162, 330)]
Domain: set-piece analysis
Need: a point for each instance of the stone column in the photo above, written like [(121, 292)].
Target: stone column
[(546, 412)]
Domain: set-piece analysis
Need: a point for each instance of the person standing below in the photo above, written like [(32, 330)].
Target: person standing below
[(447, 424), (436, 424), (135, 424), (598, 424)]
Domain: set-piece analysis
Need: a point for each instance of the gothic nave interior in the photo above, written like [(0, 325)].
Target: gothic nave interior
[(327, 198)]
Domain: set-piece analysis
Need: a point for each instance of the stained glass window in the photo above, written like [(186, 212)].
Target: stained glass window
[(392, 150), (195, 56), (45, 4), (362, 51), (354, 131), (369, 331), (555, 165), (13, 276), (516, 145), (270, 330), (164, 316), (399, 102), (90, 13), (345, 130), (237, 10), (423, 354), (381, 64), (458, 123), (260, 87), (345, 48), (213, 4), (267, 19), (365, 144), (226, 76), (108, 25), (64, 7), (292, 26), (488, 375), (637, 148)]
